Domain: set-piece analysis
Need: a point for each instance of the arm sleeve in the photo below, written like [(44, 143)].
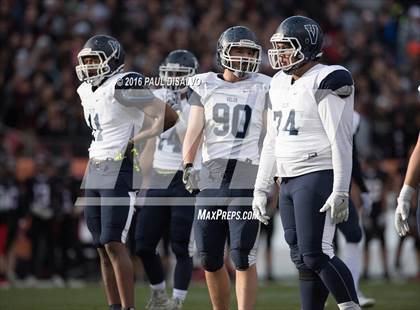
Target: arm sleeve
[(267, 167), (130, 91), (336, 101)]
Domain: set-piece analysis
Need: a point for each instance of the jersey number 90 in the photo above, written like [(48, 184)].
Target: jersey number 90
[(241, 117)]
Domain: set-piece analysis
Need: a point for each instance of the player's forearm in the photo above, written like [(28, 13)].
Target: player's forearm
[(192, 141), (412, 177), (151, 127), (267, 168), (193, 136), (337, 117), (170, 118), (342, 163)]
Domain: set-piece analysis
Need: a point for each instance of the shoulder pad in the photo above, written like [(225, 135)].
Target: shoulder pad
[(82, 87), (200, 83), (338, 82)]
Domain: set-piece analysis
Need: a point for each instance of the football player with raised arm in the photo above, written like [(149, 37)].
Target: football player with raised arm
[(227, 117), (166, 182), (309, 146), (120, 111), (411, 183)]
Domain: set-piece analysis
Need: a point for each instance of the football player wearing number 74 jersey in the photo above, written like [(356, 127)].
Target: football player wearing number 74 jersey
[(227, 116), (309, 146)]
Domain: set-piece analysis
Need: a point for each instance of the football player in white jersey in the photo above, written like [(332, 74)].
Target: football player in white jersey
[(309, 146), (116, 107), (227, 118), (411, 183), (166, 183)]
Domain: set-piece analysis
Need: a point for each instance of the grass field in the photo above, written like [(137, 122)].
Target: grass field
[(272, 297)]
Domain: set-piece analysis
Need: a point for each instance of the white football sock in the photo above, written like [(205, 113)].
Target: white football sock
[(160, 286), (180, 294)]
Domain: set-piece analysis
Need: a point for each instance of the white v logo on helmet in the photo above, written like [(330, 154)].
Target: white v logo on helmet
[(313, 32), (115, 48)]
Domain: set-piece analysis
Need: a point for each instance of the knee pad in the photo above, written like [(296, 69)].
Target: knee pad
[(211, 263), (291, 239), (180, 249), (290, 236), (242, 259), (315, 262), (307, 275)]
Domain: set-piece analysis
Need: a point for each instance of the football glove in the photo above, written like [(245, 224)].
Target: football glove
[(187, 178), (338, 202), (259, 204), (403, 210)]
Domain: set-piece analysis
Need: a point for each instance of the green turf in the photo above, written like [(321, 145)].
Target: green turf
[(272, 297)]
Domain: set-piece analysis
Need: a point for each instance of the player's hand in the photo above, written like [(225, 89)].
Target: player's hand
[(259, 204), (367, 202), (187, 178), (403, 210), (338, 202)]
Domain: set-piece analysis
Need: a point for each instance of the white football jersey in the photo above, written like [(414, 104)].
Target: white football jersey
[(233, 115), (112, 123), (168, 151), (302, 128)]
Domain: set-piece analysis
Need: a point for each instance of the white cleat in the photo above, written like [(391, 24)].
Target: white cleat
[(158, 300), (175, 304), (365, 302)]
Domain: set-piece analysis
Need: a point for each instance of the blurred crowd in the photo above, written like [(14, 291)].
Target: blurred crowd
[(40, 112), (377, 40)]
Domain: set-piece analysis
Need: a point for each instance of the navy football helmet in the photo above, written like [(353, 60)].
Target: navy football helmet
[(302, 38), (177, 67), (109, 56), (238, 36)]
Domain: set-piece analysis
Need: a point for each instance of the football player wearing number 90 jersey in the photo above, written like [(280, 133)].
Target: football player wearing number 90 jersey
[(309, 145), (227, 118), (166, 183), (120, 111)]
